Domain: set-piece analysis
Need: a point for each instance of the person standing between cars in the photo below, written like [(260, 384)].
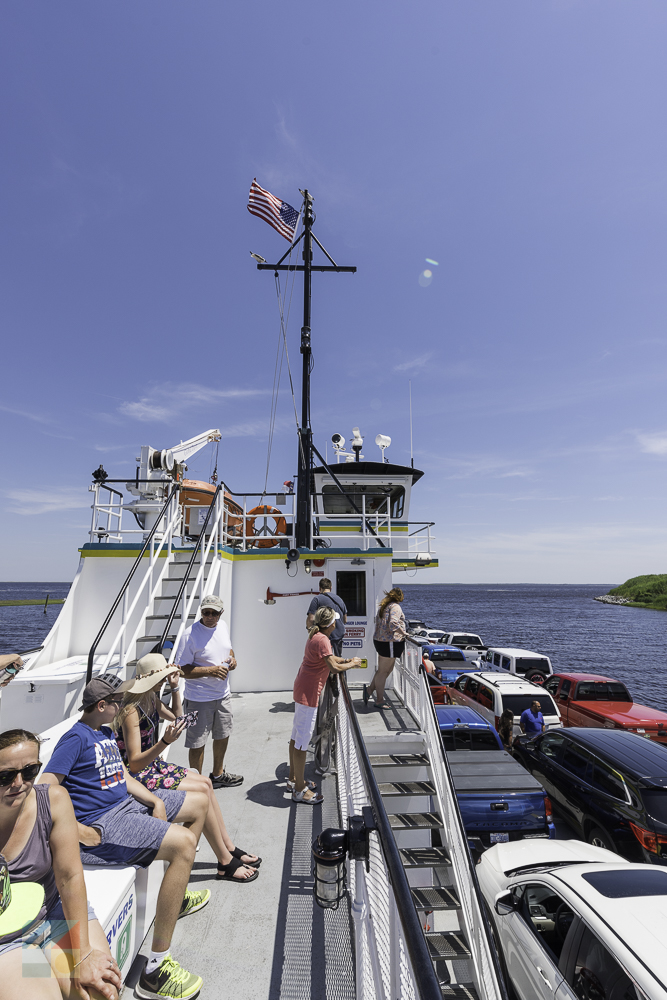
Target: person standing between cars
[(205, 655), (318, 660), (532, 720), (389, 642), (506, 728), (325, 599)]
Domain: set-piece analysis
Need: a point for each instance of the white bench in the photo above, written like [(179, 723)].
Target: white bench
[(124, 899)]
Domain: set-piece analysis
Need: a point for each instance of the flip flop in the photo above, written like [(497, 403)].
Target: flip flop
[(238, 852), (314, 800), (229, 870), (309, 784)]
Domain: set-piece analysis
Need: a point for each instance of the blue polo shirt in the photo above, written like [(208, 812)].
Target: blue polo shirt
[(532, 723)]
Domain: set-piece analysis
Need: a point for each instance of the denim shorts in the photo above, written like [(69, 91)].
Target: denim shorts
[(48, 931), (130, 834)]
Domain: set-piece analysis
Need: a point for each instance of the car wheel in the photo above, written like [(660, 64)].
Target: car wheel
[(536, 678), (598, 838)]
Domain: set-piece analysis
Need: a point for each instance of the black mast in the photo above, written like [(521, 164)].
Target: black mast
[(302, 527)]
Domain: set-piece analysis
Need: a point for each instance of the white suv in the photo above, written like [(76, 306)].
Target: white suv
[(535, 667), (491, 693), (575, 922)]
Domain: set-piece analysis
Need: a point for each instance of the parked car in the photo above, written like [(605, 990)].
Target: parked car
[(414, 623), (573, 922), (429, 635), (464, 640), (448, 662), (499, 800), (535, 667), (491, 693), (610, 785), (594, 700)]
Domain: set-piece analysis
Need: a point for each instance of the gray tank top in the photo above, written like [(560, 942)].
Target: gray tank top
[(34, 863)]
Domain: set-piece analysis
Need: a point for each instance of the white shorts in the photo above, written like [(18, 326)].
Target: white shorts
[(304, 723)]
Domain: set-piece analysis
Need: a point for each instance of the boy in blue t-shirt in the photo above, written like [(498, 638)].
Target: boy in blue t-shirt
[(116, 827)]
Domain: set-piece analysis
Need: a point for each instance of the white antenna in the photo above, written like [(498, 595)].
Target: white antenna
[(412, 461)]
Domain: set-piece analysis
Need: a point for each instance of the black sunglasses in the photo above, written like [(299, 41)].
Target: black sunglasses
[(28, 773), (209, 612)]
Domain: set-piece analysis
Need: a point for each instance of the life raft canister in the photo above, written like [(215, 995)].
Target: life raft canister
[(195, 493), (264, 510)]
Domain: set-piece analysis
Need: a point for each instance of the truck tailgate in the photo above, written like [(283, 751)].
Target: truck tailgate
[(496, 793)]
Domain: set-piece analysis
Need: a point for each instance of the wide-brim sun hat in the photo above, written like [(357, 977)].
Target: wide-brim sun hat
[(151, 669)]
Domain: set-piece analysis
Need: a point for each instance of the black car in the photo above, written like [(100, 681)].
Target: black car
[(610, 786)]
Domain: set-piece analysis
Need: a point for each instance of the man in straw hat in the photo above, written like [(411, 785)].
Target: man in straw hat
[(122, 823), (205, 655)]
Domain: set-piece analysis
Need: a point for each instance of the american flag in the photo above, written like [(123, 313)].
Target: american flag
[(277, 213)]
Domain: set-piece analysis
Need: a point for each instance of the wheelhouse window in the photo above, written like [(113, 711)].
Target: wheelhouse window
[(370, 497)]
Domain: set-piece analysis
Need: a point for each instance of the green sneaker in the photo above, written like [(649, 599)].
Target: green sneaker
[(169, 980), (193, 901)]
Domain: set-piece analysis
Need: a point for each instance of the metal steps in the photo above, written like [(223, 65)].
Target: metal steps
[(409, 795), (436, 898)]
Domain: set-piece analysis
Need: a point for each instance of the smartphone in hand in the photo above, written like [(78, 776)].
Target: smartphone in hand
[(190, 719)]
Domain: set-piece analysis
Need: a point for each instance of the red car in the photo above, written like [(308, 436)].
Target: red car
[(594, 700)]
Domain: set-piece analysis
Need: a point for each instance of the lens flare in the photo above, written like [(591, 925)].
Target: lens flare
[(434, 262), (425, 278)]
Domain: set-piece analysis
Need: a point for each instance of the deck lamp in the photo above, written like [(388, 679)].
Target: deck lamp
[(329, 852)]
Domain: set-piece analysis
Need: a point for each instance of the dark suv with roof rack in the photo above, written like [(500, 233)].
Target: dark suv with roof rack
[(610, 785)]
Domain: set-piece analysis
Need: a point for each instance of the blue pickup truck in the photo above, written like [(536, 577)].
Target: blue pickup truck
[(499, 800)]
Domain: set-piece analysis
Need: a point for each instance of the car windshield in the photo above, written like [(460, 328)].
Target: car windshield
[(526, 663), (518, 703), (469, 739), (602, 691), (466, 640), (447, 654), (655, 803)]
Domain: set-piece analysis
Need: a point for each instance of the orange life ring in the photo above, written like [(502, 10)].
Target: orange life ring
[(265, 510)]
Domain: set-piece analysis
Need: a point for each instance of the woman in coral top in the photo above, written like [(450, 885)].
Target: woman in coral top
[(318, 660)]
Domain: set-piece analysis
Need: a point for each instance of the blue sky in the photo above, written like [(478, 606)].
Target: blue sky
[(521, 145)]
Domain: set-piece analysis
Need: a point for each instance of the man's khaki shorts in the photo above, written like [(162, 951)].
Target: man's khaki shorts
[(215, 717)]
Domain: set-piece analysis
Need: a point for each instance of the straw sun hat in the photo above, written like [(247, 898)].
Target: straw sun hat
[(150, 669)]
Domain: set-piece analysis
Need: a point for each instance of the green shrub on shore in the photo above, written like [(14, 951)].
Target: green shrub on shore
[(648, 591)]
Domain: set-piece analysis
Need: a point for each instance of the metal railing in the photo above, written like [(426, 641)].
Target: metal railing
[(392, 958), (198, 584), (104, 512), (169, 516), (411, 684)]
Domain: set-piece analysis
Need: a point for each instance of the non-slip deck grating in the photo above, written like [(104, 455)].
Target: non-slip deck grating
[(436, 898), (415, 821), (399, 759), (446, 944), (424, 857), (390, 789), (459, 991)]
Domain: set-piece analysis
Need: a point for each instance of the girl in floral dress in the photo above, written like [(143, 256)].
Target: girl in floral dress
[(137, 733)]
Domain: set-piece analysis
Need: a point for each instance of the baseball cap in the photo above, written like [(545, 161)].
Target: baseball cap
[(212, 602), (96, 690), (19, 904)]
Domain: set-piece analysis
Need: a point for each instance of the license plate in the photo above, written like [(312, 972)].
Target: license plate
[(499, 838)]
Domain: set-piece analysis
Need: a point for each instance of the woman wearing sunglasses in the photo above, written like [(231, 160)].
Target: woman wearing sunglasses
[(39, 840)]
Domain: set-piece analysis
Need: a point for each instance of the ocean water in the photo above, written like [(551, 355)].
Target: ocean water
[(563, 621), (23, 628)]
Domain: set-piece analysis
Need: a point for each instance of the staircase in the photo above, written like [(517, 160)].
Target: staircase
[(164, 602), (409, 797)]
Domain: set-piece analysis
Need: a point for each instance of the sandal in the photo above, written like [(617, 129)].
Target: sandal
[(314, 800), (239, 853), (383, 704), (309, 784), (228, 872)]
